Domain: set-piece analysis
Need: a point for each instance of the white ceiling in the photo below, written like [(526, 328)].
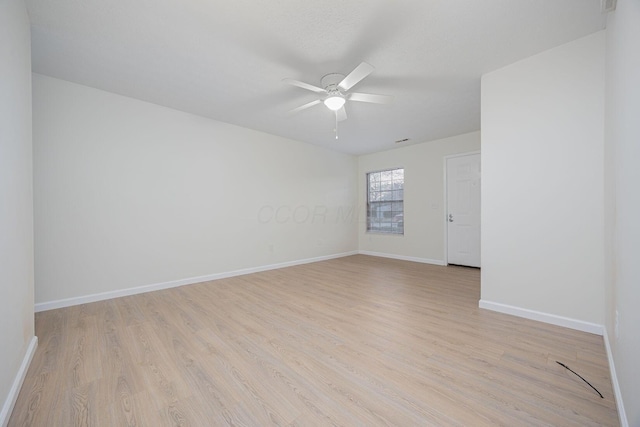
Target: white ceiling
[(226, 59)]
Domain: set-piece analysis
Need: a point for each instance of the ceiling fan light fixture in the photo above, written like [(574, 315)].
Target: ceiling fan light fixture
[(334, 102)]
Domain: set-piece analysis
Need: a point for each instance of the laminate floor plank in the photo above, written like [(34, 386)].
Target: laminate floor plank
[(352, 341)]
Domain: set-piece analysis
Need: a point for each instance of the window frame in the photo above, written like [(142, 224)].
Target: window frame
[(395, 228)]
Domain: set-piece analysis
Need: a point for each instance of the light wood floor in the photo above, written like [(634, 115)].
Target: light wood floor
[(356, 341)]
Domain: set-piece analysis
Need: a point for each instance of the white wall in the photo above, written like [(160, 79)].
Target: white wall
[(542, 184), (623, 133), (423, 238), (130, 194), (16, 206)]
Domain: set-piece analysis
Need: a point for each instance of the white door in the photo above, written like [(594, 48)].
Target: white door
[(463, 210)]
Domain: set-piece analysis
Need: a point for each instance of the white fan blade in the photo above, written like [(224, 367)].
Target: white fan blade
[(361, 71), (305, 106), (341, 114), (304, 85), (369, 97)]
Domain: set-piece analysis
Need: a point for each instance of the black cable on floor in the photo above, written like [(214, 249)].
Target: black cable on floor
[(579, 376)]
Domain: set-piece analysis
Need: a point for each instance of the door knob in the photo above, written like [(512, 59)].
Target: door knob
[(450, 218)]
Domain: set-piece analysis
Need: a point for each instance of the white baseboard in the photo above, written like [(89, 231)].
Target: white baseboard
[(403, 258), (553, 319), (622, 415), (7, 407), (68, 302)]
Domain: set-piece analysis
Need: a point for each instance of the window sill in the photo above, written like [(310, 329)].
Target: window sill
[(383, 233)]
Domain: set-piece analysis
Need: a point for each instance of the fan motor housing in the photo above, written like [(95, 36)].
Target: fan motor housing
[(330, 82)]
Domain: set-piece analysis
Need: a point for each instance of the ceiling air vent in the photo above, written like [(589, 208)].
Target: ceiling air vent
[(608, 5)]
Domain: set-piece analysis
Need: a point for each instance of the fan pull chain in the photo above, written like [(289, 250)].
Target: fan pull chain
[(336, 129)]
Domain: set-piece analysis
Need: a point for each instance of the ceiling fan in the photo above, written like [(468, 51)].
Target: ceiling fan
[(334, 91)]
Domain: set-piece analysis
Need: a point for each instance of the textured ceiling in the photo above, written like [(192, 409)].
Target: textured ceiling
[(226, 59)]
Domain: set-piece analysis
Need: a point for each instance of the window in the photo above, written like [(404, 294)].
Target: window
[(385, 201)]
